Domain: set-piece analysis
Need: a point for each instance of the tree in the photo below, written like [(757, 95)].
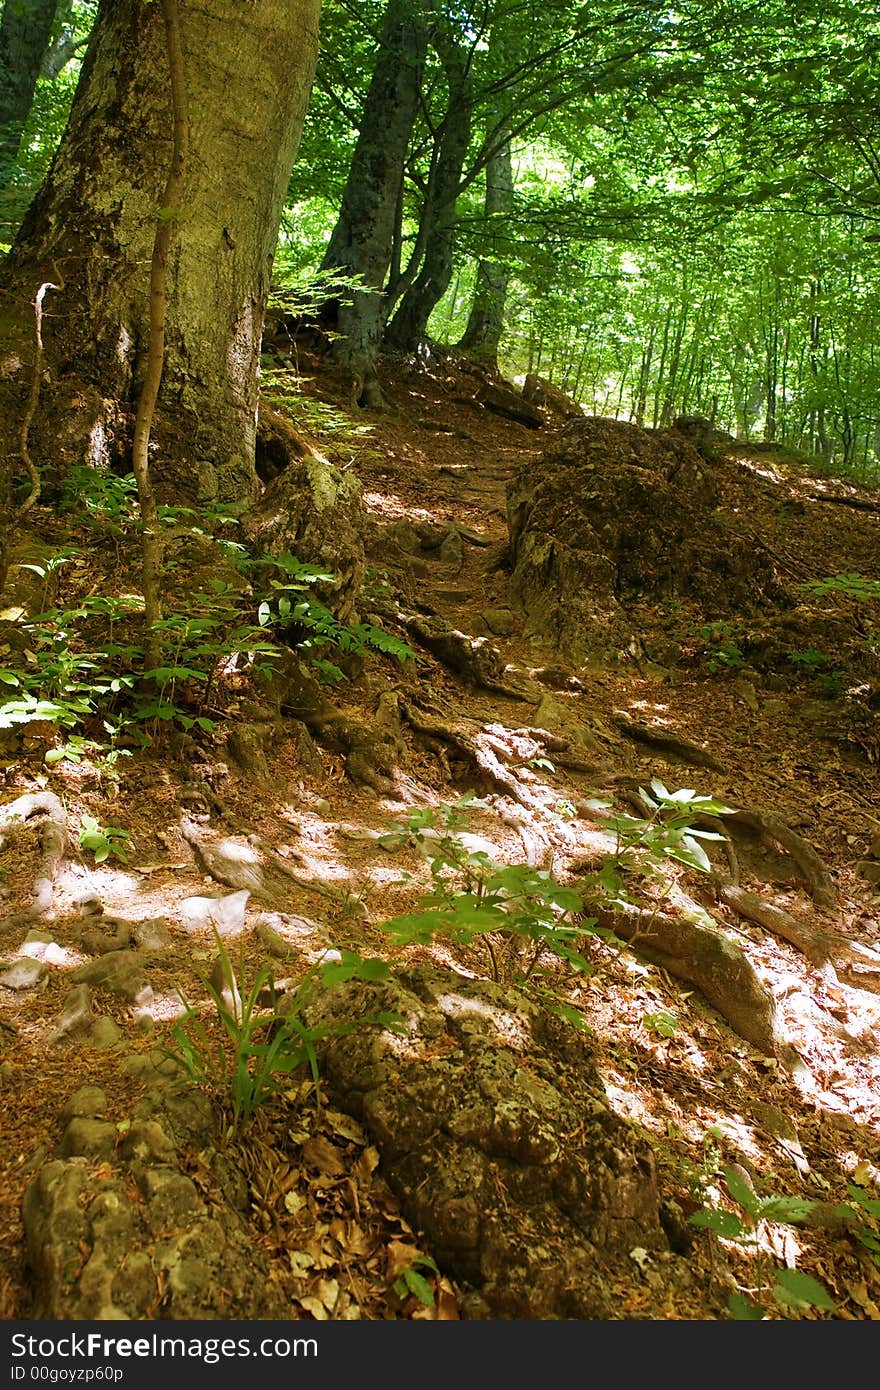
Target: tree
[(25, 29), (90, 231), (485, 324), (362, 240), (437, 226)]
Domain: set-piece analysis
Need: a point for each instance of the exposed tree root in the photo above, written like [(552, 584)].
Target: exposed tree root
[(674, 744), (774, 832), (371, 755), (252, 864), (473, 658), (859, 503), (859, 965), (707, 958), (485, 763), (53, 841)]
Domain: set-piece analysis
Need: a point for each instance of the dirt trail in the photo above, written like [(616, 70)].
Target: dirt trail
[(465, 720)]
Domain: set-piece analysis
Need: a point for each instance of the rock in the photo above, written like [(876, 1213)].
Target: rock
[(747, 693), (304, 746), (95, 1253), (451, 552), (431, 534), (86, 1137), (503, 399), (152, 936), (119, 972), (611, 515), (274, 944), (226, 913), (104, 1033), (172, 1199), (153, 1068), (539, 391), (499, 621), (401, 536), (89, 1102), (526, 1185), (116, 938), (37, 943), (24, 974), (249, 745), (146, 1140), (315, 512), (869, 869), (561, 717), (76, 1013), (89, 904)]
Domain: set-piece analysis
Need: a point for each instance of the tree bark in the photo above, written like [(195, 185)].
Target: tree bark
[(25, 30), (363, 238), (409, 326), (250, 69), (485, 324)]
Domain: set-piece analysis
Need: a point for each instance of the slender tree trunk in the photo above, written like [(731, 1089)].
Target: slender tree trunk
[(362, 242), (93, 222), (485, 324), (644, 376), (409, 326), (25, 30)]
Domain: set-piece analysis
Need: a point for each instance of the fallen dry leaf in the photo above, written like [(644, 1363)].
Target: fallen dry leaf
[(313, 1306), (328, 1292), (301, 1262), (346, 1126), (324, 1157)]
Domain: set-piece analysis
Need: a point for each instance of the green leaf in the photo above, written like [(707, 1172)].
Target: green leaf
[(743, 1309), (417, 1284), (724, 1223), (793, 1286), (790, 1209), (741, 1191)]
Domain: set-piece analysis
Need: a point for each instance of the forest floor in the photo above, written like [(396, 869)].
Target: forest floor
[(703, 1097)]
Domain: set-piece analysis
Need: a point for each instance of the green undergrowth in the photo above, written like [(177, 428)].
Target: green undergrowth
[(81, 666), (266, 1034), (525, 922)]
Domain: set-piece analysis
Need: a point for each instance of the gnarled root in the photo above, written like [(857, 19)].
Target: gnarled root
[(707, 958), (15, 817)]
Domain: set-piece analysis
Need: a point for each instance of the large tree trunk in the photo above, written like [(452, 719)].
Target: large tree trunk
[(363, 238), (485, 324), (249, 68), (25, 30), (409, 326)]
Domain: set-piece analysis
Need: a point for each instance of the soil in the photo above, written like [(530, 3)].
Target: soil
[(779, 700)]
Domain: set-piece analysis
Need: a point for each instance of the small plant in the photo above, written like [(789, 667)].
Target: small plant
[(834, 683), (310, 626), (667, 831), (722, 650), (851, 585), (412, 1281), (103, 840), (791, 1289), (542, 765), (663, 1023), (810, 659), (514, 913), (264, 1037)]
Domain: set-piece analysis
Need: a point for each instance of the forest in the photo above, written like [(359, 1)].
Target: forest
[(439, 660)]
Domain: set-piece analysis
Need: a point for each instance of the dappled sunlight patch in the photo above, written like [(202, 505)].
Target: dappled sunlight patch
[(763, 469), (509, 1027), (392, 507)]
